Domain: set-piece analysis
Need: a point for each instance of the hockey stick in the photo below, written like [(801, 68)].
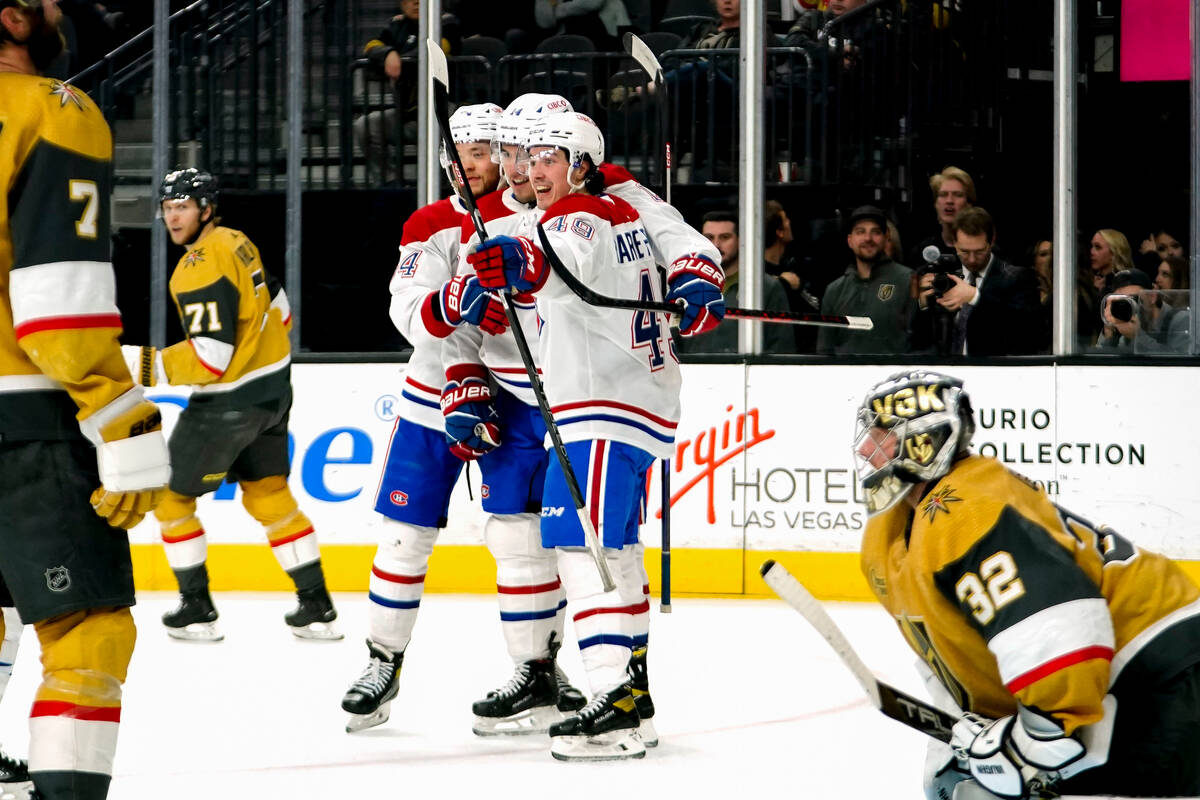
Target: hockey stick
[(917, 714), (593, 298), (647, 61), (664, 592), (441, 99)]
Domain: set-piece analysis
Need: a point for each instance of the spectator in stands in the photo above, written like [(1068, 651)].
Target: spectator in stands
[(892, 246), (720, 228), (1109, 253), (717, 34), (873, 286), (1041, 257), (1173, 274), (1163, 243), (995, 304), (953, 190), (802, 296), (1137, 320), (602, 21)]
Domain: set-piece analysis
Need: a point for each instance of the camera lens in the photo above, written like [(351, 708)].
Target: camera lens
[(1121, 309), (942, 283)]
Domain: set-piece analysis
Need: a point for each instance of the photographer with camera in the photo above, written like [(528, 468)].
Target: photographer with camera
[(1137, 320), (991, 309)]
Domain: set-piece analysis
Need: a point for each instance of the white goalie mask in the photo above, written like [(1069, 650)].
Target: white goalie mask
[(576, 134), (910, 430), (474, 123), (522, 114)]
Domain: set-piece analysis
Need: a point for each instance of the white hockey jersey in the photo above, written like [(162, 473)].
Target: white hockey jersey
[(609, 373), (428, 252), (670, 235)]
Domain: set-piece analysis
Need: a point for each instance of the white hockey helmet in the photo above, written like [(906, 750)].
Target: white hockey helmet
[(522, 114), (911, 428), (473, 123), (575, 133)]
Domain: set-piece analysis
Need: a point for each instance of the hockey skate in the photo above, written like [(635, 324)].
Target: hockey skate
[(604, 730), (569, 698), (526, 704), (195, 620), (313, 617), (15, 783), (640, 682), (369, 699)]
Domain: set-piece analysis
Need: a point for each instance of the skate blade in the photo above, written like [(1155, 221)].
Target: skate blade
[(361, 722), (318, 632), (21, 790), (647, 733), (535, 720), (196, 632), (613, 746)]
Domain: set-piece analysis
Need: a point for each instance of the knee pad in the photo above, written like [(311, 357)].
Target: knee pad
[(515, 536), (181, 531), (404, 547), (581, 578), (176, 511), (270, 501), (85, 656)]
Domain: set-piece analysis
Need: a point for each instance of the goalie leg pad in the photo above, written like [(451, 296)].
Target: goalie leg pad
[(182, 533), (603, 620), (530, 594), (397, 583)]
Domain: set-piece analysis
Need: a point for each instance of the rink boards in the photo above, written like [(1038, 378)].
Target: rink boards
[(762, 469)]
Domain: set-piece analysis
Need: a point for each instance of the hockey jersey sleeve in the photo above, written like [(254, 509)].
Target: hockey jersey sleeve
[(61, 285), (670, 236), (207, 297), (428, 255)]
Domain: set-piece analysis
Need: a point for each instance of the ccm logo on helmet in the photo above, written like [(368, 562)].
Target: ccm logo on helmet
[(908, 403)]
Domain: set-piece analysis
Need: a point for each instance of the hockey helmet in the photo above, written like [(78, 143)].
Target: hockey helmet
[(577, 134), (522, 114), (910, 429), (474, 123), (182, 184)]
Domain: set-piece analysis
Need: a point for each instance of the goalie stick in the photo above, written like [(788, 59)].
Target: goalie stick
[(441, 103), (917, 714)]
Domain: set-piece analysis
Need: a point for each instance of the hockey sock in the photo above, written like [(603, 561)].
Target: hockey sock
[(192, 580), (307, 577), (529, 591), (603, 621), (397, 583), (8, 648)]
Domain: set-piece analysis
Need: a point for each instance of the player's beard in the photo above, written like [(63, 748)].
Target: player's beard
[(44, 45)]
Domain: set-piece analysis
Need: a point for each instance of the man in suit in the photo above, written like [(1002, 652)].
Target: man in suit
[(994, 304)]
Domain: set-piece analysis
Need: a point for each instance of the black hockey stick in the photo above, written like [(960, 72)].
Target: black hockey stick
[(593, 298), (918, 714), (441, 103)]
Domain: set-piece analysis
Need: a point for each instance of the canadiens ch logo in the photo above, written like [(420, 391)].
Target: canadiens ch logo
[(939, 501), (58, 579), (399, 498), (193, 256), (66, 94), (886, 291)]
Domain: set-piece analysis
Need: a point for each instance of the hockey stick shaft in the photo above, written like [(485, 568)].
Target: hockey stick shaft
[(441, 98), (917, 714), (665, 590), (593, 298), (649, 62)]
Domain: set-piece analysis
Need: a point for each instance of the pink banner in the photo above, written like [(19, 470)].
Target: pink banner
[(1155, 41)]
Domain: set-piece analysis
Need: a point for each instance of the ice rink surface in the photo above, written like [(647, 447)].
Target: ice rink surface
[(749, 700)]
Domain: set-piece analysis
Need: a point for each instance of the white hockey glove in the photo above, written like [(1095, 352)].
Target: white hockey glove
[(946, 765), (132, 456), (145, 364)]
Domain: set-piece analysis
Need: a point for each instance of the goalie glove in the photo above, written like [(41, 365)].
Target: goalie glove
[(697, 283), (131, 453), (462, 299), (1014, 754), (472, 422), (145, 364), (508, 262)]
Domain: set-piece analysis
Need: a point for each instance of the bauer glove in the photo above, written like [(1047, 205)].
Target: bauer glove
[(472, 423), (507, 262), (462, 299), (131, 453), (697, 283)]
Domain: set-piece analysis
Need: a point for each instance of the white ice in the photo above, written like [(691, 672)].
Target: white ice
[(749, 700)]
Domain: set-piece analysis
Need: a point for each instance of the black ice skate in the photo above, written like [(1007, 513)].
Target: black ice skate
[(313, 617), (640, 681), (604, 730), (14, 778), (569, 698), (369, 699), (195, 620), (524, 705)]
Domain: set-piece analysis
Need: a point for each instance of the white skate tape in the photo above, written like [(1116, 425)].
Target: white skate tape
[(318, 631), (611, 746), (361, 722), (647, 733), (533, 720), (195, 632)]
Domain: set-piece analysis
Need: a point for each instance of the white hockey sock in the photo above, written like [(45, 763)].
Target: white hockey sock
[(8, 648), (603, 620), (397, 583), (638, 584), (530, 594)]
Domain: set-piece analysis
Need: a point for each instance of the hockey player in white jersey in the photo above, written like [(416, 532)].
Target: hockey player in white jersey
[(595, 361)]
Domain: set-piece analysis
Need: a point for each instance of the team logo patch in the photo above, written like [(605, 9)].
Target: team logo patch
[(485, 491), (66, 94), (58, 579), (399, 498), (920, 448), (886, 291), (939, 501), (193, 257), (583, 229), (408, 265)]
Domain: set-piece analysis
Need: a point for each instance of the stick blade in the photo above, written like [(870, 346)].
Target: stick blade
[(861, 323), (437, 64), (643, 55)]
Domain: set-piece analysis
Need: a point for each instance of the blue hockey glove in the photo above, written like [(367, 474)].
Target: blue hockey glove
[(472, 422), (696, 282)]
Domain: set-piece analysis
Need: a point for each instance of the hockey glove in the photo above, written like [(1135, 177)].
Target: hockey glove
[(696, 282), (472, 423), (145, 364), (509, 262), (461, 299), (1009, 755), (131, 453)]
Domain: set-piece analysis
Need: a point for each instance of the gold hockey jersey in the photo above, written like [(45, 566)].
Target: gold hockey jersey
[(59, 359), (235, 321), (1008, 597)]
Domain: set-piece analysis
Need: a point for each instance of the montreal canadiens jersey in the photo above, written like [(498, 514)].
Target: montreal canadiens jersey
[(1007, 596), (59, 359), (428, 252), (671, 238), (235, 321), (609, 373)]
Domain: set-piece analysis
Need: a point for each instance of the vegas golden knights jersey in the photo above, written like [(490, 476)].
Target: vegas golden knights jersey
[(1007, 596), (59, 359), (235, 319)]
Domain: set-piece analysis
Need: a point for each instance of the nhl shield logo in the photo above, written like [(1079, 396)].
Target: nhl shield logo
[(886, 291), (58, 579)]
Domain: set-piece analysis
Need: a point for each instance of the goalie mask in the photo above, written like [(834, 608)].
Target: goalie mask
[(576, 134), (521, 115), (910, 429)]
